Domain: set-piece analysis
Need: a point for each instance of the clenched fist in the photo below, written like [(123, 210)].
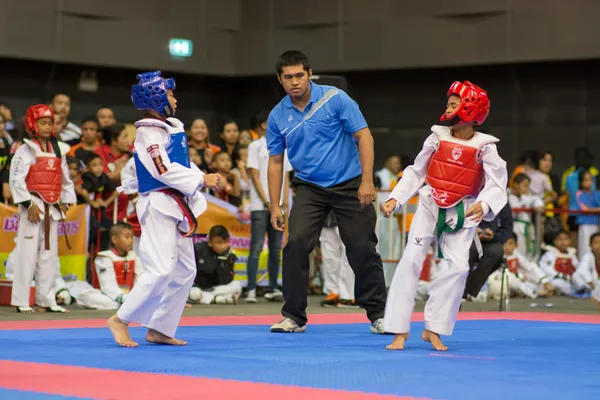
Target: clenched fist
[(388, 207), (213, 182)]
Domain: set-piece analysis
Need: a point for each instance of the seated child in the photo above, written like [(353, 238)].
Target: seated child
[(559, 262), (525, 278), (214, 283), (585, 278), (118, 267)]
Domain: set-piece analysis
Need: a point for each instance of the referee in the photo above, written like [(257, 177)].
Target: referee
[(331, 149)]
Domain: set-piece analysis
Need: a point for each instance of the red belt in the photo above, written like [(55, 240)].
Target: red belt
[(185, 208)]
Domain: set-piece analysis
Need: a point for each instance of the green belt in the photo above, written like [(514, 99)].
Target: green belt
[(442, 226), (528, 241)]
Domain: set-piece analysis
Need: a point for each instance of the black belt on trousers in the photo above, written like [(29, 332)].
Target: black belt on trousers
[(185, 208)]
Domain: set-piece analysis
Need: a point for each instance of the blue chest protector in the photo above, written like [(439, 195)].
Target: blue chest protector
[(177, 151)]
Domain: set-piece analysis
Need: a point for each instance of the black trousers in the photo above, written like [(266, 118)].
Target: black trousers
[(311, 206), (482, 268)]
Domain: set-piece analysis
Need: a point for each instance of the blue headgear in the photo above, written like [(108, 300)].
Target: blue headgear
[(150, 93)]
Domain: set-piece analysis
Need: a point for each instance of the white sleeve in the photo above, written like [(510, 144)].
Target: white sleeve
[(138, 269), (414, 175), (252, 156), (585, 269), (496, 178), (128, 176), (67, 195), (19, 168), (547, 264), (107, 277), (150, 147), (531, 270)]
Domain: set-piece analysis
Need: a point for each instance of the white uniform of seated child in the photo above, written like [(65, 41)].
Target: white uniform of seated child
[(215, 283), (118, 267), (559, 262), (585, 278), (525, 278)]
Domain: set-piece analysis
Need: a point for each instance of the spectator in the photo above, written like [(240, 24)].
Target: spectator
[(105, 117), (115, 154), (588, 199), (195, 157), (245, 139), (9, 125), (525, 278), (75, 175), (70, 133), (242, 174), (570, 181), (258, 164), (89, 140), (520, 198), (4, 133), (99, 191), (492, 235), (231, 191), (215, 278), (559, 262), (526, 165), (199, 139), (4, 163), (230, 135), (587, 274)]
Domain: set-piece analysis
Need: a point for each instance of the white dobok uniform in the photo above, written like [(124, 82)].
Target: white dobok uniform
[(523, 226), (524, 278), (338, 276), (446, 291), (586, 273), (31, 256), (169, 268), (559, 268)]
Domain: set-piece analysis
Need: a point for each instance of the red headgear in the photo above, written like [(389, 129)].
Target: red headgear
[(34, 113), (475, 105)]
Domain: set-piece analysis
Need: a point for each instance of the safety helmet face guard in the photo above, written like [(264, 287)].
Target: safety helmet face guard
[(474, 107), (33, 114), (150, 93)]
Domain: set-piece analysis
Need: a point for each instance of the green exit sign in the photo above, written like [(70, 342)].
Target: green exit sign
[(180, 47)]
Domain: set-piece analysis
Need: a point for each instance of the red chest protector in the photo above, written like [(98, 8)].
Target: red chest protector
[(45, 175), (455, 170), (513, 264), (564, 265), (124, 268)]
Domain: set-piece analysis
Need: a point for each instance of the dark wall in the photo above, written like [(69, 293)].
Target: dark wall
[(545, 105)]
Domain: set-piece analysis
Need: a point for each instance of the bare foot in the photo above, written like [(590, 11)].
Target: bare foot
[(398, 342), (156, 337), (188, 305), (434, 339), (120, 332)]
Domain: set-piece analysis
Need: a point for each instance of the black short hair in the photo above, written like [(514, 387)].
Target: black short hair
[(119, 227), (550, 236), (514, 237), (111, 133), (292, 57), (258, 118), (521, 177), (89, 119), (91, 157), (72, 160), (218, 231), (594, 236), (219, 154)]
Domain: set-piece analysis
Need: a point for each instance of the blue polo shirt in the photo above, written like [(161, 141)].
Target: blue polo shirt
[(319, 141)]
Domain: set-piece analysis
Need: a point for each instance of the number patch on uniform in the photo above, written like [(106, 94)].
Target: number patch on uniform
[(154, 152)]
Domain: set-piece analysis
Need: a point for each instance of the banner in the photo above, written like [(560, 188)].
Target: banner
[(72, 262), (220, 212)]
